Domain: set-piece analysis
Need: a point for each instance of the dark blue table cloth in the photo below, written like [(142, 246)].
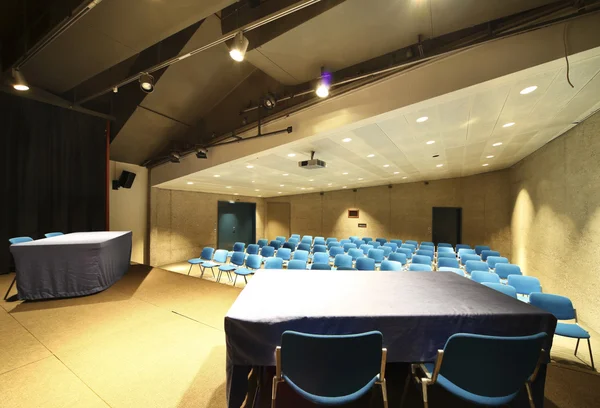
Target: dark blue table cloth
[(415, 311)]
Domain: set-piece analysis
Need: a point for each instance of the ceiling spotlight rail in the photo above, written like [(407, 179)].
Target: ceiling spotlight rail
[(226, 37)]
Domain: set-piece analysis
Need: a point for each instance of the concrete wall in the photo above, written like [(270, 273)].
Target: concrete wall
[(129, 208), (183, 222), (556, 217)]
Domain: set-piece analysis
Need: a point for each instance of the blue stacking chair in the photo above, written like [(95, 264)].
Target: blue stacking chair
[(444, 245), (398, 242), (355, 253), (487, 253), (365, 264), (236, 261), (390, 266), (484, 370), (506, 289), (262, 242), (253, 263), (354, 237), (462, 246), (457, 271), (329, 369), (386, 251), (205, 256), (318, 248), (449, 255), (466, 251), (267, 252), (398, 257), (427, 243), (425, 252), (392, 245), (296, 264), (377, 255), (53, 234), (295, 236), (332, 244), (274, 263), (19, 240), (365, 248), (525, 285), (367, 239), (480, 248), (321, 257), (347, 246), (412, 242), (420, 268), (469, 257), (335, 251), (275, 244), (446, 250), (307, 239), (319, 241), (562, 308), (358, 242), (471, 266), (374, 244), (289, 245), (252, 249), (448, 263), (303, 247), (342, 260), (280, 239), (504, 270), (330, 239), (483, 276), (412, 247), (220, 257), (381, 240), (301, 256), (406, 251), (237, 247), (321, 266), (421, 259), (285, 254), (294, 241), (493, 260), (345, 241)]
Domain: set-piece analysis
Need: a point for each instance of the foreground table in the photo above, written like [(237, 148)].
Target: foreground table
[(69, 265), (415, 311)]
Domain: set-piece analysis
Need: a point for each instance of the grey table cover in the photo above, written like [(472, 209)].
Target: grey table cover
[(415, 311), (74, 264)]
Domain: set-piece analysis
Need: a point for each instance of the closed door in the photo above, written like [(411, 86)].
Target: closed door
[(237, 223), (278, 220), (446, 225)]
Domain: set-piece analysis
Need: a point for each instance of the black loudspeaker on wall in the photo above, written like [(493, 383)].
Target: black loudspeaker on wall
[(125, 180)]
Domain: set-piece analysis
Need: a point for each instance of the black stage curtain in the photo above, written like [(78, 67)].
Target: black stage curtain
[(54, 178)]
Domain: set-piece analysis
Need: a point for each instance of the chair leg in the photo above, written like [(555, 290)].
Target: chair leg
[(576, 347), (245, 280), (189, 270), (10, 287), (384, 394), (213, 271), (530, 395), (219, 276), (591, 356), (235, 280), (425, 402), (202, 268), (274, 392), (406, 385)]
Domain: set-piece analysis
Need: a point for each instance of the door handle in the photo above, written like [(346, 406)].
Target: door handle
[(234, 230)]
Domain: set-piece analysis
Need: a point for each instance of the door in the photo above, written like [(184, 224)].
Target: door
[(446, 225), (278, 220), (236, 223)]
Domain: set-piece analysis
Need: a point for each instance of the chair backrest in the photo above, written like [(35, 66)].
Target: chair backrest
[(421, 259), (274, 263), (275, 244), (487, 253), (301, 255), (220, 256), (506, 289), (482, 276), (303, 246), (284, 253), (412, 242), (398, 242), (469, 257), (398, 257), (355, 253), (376, 254), (252, 249), (450, 255), (462, 246), (53, 234), (335, 251), (525, 285), (425, 252), (365, 248), (295, 236), (358, 242), (466, 251), (19, 240), (419, 267), (493, 260), (457, 271), (406, 251), (448, 262), (332, 244), (367, 239), (306, 240), (267, 251), (560, 306), (365, 264), (319, 248), (386, 250), (207, 253), (505, 269), (390, 266), (374, 244), (331, 367), (262, 242), (321, 266), (294, 241), (330, 239), (354, 237), (296, 264), (342, 260), (349, 245), (412, 247), (444, 245), (446, 250), (491, 366), (321, 257), (320, 241), (289, 245), (237, 258), (345, 241), (479, 248), (280, 239), (471, 266), (253, 261), (392, 245), (427, 243), (381, 240), (239, 247)]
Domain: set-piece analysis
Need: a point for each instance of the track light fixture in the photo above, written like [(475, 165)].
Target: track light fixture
[(174, 157), (269, 101), (201, 153), (239, 47), (323, 85), (19, 82), (146, 82)]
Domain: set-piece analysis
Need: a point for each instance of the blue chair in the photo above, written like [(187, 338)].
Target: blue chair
[(427, 243), (301, 256), (253, 263), (466, 251), (294, 241), (329, 369), (289, 245), (320, 241), (367, 239), (469, 257), (504, 270), (205, 256), (525, 285), (285, 254), (406, 251), (345, 241), (386, 251), (444, 245), (333, 244), (398, 257), (471, 266), (390, 266), (267, 252), (307, 239), (365, 264), (493, 260), (303, 247), (365, 248), (457, 271), (347, 246), (237, 260), (562, 308), (330, 239), (335, 251), (296, 264), (321, 257), (274, 263), (412, 247), (462, 246), (275, 244), (421, 259), (53, 234), (318, 248), (355, 253), (220, 257), (377, 255), (425, 252), (448, 263), (419, 268), (280, 239), (321, 266), (449, 255), (347, 268), (252, 249), (446, 250), (374, 244), (486, 253), (20, 240), (412, 242), (398, 242), (358, 242), (381, 240), (483, 276), (480, 248), (295, 236), (392, 245), (485, 370), (507, 290), (342, 260), (353, 238), (237, 247), (262, 242)]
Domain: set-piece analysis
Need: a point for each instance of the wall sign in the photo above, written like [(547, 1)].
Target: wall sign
[(352, 213), (362, 225)]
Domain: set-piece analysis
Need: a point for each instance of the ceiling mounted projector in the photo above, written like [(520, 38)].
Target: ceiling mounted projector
[(312, 163)]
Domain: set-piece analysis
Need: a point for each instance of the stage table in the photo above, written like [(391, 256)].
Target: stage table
[(69, 265), (416, 312)]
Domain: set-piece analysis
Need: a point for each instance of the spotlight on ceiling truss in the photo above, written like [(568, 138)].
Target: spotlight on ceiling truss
[(19, 82), (268, 101), (146, 82), (201, 153), (239, 47), (324, 84), (174, 157)]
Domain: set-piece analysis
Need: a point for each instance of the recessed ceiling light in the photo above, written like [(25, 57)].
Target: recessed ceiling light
[(282, 185), (370, 155), (439, 165), (329, 184), (260, 196), (285, 174), (227, 186), (302, 188), (431, 142), (249, 166), (422, 119), (386, 165), (485, 165), (346, 140), (404, 178), (279, 192), (360, 178), (236, 194), (491, 156), (497, 144), (291, 154), (344, 187), (396, 172), (311, 180), (253, 181), (310, 188), (345, 173), (190, 182), (528, 90), (256, 189), (216, 175), (509, 124)]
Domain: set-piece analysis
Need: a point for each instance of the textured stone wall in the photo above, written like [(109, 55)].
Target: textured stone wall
[(555, 194)]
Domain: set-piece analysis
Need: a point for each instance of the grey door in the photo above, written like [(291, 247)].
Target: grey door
[(236, 223), (446, 225)]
